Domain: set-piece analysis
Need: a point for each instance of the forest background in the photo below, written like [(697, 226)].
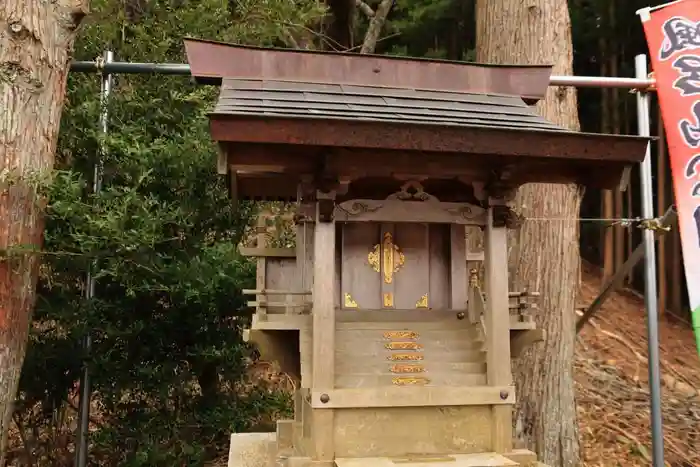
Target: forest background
[(171, 375)]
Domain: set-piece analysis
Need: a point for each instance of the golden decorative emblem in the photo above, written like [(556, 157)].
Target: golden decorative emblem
[(407, 369), (400, 335), (405, 357), (422, 302), (473, 278), (410, 381), (388, 300), (349, 302), (403, 346), (392, 259)]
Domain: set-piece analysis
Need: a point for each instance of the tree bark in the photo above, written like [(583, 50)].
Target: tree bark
[(545, 255), (36, 42), (376, 25)]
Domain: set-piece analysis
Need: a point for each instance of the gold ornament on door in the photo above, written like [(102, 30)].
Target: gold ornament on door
[(387, 258)]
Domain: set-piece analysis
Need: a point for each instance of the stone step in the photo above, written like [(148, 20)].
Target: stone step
[(463, 325), (359, 380), (378, 365), (371, 347), (420, 332), (486, 459), (442, 356)]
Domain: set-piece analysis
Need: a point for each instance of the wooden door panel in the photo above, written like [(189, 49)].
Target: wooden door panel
[(412, 281), (360, 284), (395, 266)]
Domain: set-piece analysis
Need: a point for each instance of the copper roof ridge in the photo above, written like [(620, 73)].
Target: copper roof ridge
[(355, 54), (212, 61)]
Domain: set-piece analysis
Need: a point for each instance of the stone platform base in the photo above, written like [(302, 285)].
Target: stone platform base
[(263, 450)]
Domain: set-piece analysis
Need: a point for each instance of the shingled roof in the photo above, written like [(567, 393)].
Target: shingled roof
[(284, 116), (245, 97)]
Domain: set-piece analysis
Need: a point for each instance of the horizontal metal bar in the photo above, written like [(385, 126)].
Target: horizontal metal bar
[(601, 82), (131, 68), (184, 69)]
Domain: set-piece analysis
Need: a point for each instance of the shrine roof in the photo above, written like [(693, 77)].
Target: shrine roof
[(288, 99), (283, 116)]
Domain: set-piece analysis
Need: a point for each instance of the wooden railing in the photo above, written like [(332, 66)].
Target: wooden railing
[(520, 304), (269, 301)]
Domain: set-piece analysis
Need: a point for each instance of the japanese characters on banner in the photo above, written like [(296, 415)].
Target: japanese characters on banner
[(673, 35)]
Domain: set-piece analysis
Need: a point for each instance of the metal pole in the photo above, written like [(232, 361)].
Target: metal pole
[(131, 68), (85, 390), (601, 82), (184, 69), (650, 295)]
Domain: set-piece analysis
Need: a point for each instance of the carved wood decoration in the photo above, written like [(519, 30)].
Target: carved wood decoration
[(410, 204), (367, 210)]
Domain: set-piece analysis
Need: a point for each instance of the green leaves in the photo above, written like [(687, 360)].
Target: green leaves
[(161, 239)]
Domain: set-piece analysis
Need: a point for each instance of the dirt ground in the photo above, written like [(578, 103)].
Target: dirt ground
[(611, 384)]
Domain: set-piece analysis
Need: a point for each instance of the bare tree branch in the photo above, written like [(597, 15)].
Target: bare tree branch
[(375, 27), (364, 8)]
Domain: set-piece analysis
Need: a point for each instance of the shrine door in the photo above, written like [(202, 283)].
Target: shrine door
[(398, 266)]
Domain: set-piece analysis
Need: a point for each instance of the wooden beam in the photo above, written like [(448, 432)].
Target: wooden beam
[(459, 276), (282, 322), (612, 284), (366, 210), (323, 345), (608, 238), (268, 252), (426, 396), (498, 369)]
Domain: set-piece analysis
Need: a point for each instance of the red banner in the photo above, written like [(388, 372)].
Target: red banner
[(673, 36)]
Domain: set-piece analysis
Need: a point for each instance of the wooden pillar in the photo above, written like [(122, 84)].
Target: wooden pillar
[(459, 276), (497, 323), (305, 273), (323, 360), (261, 268)]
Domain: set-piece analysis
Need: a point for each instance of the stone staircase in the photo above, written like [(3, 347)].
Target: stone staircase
[(445, 352)]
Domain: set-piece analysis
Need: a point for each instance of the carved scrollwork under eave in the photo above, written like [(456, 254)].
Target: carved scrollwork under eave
[(395, 210), (412, 190), (355, 208)]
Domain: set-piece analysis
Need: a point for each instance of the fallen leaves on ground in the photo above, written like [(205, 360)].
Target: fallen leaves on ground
[(612, 384)]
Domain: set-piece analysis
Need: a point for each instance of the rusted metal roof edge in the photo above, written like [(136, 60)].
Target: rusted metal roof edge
[(187, 40), (212, 61), (364, 133)]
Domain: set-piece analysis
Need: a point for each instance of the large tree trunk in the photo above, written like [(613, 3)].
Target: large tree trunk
[(544, 254), (35, 46)]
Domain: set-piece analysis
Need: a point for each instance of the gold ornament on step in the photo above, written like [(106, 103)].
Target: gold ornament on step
[(407, 369), (400, 335), (409, 381), (403, 346), (405, 357)]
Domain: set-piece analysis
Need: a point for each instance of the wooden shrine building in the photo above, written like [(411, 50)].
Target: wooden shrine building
[(401, 350)]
